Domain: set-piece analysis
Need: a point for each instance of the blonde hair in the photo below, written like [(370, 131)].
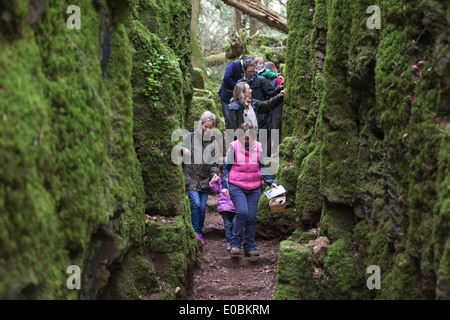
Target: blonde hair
[(259, 59), (238, 92)]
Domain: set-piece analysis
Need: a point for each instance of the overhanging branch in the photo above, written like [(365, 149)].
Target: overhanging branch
[(261, 13)]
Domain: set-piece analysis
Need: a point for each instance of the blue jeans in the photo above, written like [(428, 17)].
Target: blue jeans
[(228, 222), (246, 204), (198, 209), (225, 110)]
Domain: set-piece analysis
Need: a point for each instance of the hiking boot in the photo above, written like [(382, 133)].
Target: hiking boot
[(235, 251), (252, 254), (228, 247)]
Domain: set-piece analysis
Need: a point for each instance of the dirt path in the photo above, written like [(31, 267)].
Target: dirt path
[(221, 277)]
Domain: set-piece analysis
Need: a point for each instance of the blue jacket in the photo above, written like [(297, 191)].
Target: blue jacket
[(233, 72)]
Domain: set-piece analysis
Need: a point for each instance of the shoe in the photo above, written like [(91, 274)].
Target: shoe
[(199, 236), (252, 254), (228, 247), (235, 251)]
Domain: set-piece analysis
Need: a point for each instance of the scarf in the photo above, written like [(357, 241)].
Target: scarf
[(251, 115)]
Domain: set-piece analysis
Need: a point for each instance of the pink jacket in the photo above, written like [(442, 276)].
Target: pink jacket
[(245, 172), (224, 203)]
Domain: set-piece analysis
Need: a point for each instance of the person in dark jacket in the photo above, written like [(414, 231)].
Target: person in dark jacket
[(233, 72), (245, 109), (199, 169), (261, 88)]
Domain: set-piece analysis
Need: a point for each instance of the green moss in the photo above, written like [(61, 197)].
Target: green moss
[(372, 123), (290, 151), (199, 80), (294, 274), (298, 95), (443, 274), (320, 14), (203, 100), (69, 165), (67, 128), (173, 251), (154, 122), (337, 280), (135, 280), (308, 197)]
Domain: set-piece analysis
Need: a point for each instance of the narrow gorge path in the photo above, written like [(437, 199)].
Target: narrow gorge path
[(222, 277)]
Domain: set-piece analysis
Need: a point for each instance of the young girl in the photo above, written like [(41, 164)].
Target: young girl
[(224, 206)]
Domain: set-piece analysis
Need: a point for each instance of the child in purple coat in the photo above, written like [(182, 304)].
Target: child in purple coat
[(224, 206)]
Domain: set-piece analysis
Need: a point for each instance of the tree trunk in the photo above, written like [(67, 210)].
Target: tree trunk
[(260, 12), (197, 56), (237, 20)]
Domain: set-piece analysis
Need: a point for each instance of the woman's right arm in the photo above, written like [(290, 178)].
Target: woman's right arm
[(268, 105)]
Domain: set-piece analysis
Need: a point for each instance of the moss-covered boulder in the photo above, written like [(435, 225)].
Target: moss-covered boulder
[(295, 273), (199, 79), (172, 251)]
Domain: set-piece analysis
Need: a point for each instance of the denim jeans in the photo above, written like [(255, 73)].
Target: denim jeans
[(228, 222), (246, 204), (198, 209), (225, 110)]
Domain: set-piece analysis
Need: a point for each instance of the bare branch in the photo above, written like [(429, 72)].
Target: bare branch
[(261, 13)]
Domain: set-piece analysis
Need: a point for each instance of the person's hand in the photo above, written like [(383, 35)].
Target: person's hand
[(282, 93), (273, 186), (215, 178), (225, 192), (187, 152)]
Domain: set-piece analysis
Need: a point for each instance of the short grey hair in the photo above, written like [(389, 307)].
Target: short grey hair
[(207, 116)]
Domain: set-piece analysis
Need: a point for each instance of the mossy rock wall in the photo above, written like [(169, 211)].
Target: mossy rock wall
[(369, 111), (84, 153)]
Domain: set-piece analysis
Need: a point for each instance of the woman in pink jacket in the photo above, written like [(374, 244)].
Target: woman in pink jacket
[(224, 206), (241, 179)]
